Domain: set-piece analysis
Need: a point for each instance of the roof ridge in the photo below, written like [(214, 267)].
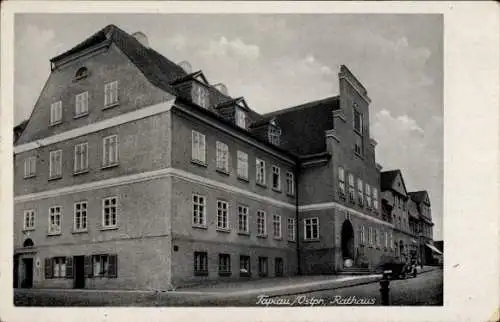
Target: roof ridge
[(301, 106)]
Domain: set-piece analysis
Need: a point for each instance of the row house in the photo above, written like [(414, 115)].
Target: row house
[(132, 164)]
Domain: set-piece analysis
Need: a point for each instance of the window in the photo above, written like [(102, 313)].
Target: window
[(368, 196), (261, 172), (291, 229), (362, 237), (243, 219), (109, 212), (111, 94), (404, 205), (81, 157), (386, 239), (360, 192), (276, 178), (245, 265), (274, 134), (29, 219), (341, 177), (261, 223), (110, 151), (222, 209), (200, 263), (200, 95), (59, 267), (56, 113), (242, 165), (81, 73), (80, 219), (311, 228), (375, 198), (222, 156), (358, 122), (30, 166), (105, 265), (277, 226), (358, 145), (55, 220), (290, 184), (278, 266), (198, 152), (370, 236), (55, 164), (240, 118), (390, 238), (262, 266), (224, 264), (376, 237), (81, 103), (351, 187), (199, 210)]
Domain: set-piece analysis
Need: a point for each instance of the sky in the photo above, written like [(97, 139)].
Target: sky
[(278, 61)]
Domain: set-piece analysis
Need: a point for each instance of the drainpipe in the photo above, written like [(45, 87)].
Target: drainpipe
[(297, 238)]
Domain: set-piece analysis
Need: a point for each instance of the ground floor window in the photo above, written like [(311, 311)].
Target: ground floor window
[(224, 264), (278, 266), (245, 265), (55, 267), (200, 263), (262, 266), (104, 265)]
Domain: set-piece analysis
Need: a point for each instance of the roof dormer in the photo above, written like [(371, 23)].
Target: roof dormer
[(274, 132)]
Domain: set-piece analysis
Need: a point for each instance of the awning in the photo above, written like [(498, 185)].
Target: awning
[(434, 249)]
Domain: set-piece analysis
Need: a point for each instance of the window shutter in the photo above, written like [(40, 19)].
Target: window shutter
[(69, 267), (87, 263), (48, 268), (113, 265)]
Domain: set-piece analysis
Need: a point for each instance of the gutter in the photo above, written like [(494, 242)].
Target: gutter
[(297, 171)]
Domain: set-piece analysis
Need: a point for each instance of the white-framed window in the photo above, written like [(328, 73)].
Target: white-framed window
[(386, 239), (55, 219), (59, 267), (360, 192), (80, 216), (341, 177), (111, 93), (30, 166), (375, 198), (351, 187), (276, 178), (224, 264), (358, 121), (199, 210), (81, 162), (55, 164), (290, 184), (362, 235), (240, 118), (222, 156), (260, 167), (277, 226), (109, 212), (29, 219), (200, 95), (56, 113), (198, 147), (391, 244), (245, 265), (242, 165), (110, 150), (81, 103), (105, 265), (261, 223), (291, 225), (222, 214), (243, 219), (274, 134), (368, 195), (370, 236), (311, 228)]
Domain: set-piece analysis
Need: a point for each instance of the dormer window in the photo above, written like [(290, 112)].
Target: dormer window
[(240, 117), (274, 134), (200, 95), (81, 73)]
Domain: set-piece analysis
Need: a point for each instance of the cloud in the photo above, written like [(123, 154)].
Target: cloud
[(231, 48), (402, 122)]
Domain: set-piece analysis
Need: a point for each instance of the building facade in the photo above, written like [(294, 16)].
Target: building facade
[(132, 164)]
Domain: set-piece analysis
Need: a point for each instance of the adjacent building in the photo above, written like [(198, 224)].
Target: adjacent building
[(135, 172)]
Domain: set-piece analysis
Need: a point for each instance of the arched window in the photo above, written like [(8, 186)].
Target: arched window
[(81, 73), (28, 243)]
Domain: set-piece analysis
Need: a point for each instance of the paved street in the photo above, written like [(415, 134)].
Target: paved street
[(426, 289)]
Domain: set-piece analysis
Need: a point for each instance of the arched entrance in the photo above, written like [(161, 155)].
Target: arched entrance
[(347, 240)]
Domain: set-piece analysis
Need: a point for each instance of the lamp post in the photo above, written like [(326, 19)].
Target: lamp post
[(384, 287)]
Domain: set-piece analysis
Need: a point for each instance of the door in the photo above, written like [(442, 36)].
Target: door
[(278, 266), (16, 272), (79, 271), (28, 273)]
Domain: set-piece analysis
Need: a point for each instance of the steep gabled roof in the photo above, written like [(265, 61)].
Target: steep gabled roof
[(156, 68), (418, 196), (387, 179)]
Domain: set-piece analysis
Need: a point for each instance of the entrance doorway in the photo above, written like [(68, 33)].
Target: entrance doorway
[(16, 272), (347, 236), (27, 281), (79, 269)]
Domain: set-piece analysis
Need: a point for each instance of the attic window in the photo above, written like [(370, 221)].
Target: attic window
[(200, 95), (240, 118), (274, 134), (81, 73)]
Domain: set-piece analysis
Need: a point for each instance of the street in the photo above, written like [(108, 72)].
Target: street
[(425, 289)]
